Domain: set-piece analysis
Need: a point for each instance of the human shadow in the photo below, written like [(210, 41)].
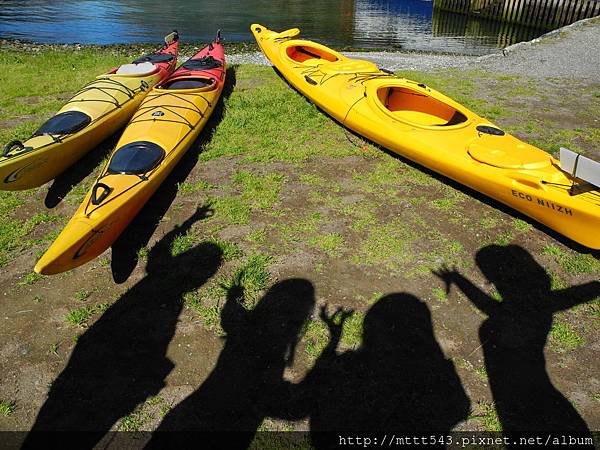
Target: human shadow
[(259, 345), (514, 335), (120, 360), (397, 380), (66, 181), (140, 230)]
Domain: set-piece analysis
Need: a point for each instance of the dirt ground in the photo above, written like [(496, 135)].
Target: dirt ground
[(513, 345)]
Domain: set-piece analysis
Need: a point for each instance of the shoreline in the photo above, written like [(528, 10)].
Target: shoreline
[(568, 52)]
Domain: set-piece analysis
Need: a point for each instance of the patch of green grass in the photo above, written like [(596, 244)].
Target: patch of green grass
[(82, 295), (133, 422), (253, 276), (504, 238), (386, 244), (495, 295), (489, 417), (481, 373), (188, 188), (571, 262), (352, 330), (300, 229), (439, 294), (521, 226), (183, 243), (80, 316), (444, 204), (234, 210), (260, 191), (330, 243), (564, 337), (30, 278), (257, 236), (488, 222), (229, 250), (206, 304), (143, 253), (315, 337), (277, 123), (7, 407)]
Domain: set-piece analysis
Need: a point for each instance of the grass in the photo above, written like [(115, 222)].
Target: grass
[(387, 244), (7, 407), (259, 191), (183, 243), (82, 295), (229, 250), (572, 262), (80, 316), (30, 279), (564, 338), (330, 243), (488, 416), (439, 294), (284, 181)]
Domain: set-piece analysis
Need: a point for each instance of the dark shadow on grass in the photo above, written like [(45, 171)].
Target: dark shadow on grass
[(120, 361), (140, 230), (66, 181), (259, 345), (514, 335), (456, 185), (398, 379)]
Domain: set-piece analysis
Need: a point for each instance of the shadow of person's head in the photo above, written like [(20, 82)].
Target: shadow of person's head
[(281, 313), (398, 322), (512, 269)]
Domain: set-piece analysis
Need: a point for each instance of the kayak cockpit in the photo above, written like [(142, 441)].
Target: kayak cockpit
[(308, 53), (416, 107), (189, 83)]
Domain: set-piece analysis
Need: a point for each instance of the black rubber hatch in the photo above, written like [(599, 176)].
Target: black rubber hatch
[(136, 158)]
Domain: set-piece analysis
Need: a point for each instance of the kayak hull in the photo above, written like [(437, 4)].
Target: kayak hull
[(433, 130), (167, 119)]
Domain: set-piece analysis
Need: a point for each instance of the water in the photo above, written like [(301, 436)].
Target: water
[(374, 24)]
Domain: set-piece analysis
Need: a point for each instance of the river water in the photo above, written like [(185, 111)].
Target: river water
[(373, 24)]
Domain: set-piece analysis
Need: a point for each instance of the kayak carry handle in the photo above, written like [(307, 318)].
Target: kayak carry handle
[(388, 71), (10, 146), (97, 199)]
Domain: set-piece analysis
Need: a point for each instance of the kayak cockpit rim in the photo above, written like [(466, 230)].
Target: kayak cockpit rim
[(415, 106), (188, 84), (300, 52)]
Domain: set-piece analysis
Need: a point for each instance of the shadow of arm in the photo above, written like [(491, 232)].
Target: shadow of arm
[(575, 295)]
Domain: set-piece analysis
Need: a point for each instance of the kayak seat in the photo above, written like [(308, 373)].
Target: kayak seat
[(68, 122), (136, 158), (155, 58), (303, 53), (204, 63), (144, 68), (409, 105), (188, 83)]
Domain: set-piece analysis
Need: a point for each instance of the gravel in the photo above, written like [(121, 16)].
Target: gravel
[(569, 52)]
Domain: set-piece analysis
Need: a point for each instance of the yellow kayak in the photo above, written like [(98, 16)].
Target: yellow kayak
[(97, 111), (433, 130), (165, 125)]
